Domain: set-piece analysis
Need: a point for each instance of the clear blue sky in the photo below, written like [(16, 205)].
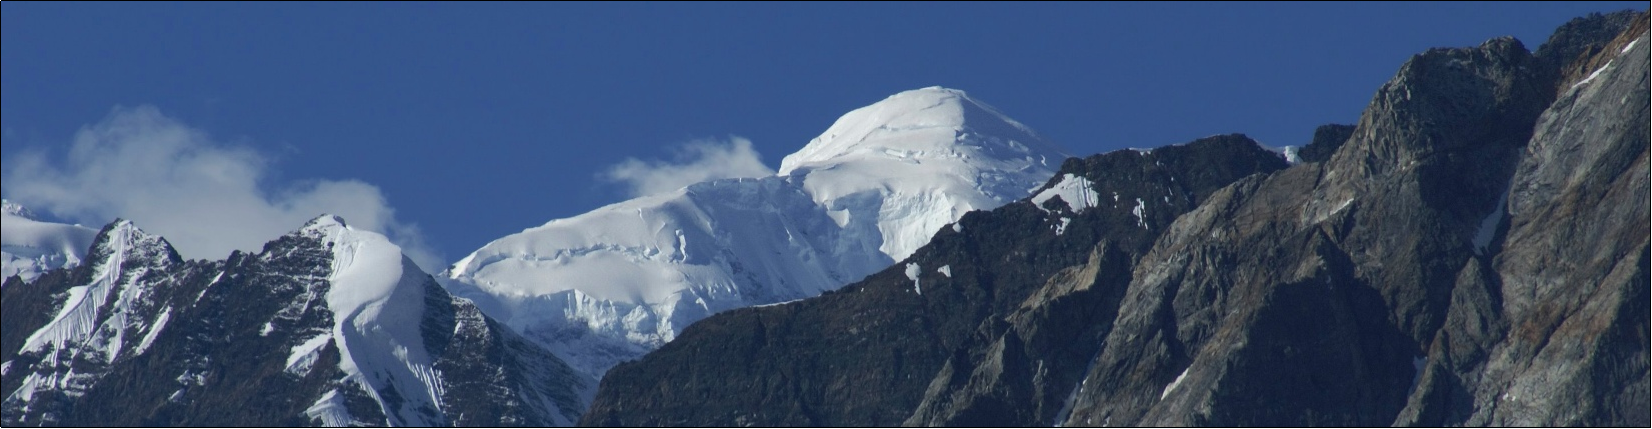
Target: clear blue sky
[(479, 120)]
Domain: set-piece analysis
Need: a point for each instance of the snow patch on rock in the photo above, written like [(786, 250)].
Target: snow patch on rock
[(1076, 191), (1173, 384), (330, 410), (1488, 225), (154, 331), (912, 271), (1141, 213)]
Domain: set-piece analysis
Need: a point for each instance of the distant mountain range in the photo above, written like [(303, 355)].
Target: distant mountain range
[(1473, 251)]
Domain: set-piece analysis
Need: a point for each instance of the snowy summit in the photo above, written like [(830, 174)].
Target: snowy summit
[(621, 280), (935, 150)]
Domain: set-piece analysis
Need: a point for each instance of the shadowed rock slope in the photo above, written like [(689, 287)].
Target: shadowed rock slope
[(1473, 251), (868, 353)]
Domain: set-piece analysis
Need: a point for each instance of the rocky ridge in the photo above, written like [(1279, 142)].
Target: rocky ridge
[(140, 337), (1472, 252)]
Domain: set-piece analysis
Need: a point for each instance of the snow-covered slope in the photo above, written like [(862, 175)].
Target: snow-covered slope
[(928, 156), (613, 283), (377, 300), (616, 282), (95, 323), (29, 247), (380, 304)]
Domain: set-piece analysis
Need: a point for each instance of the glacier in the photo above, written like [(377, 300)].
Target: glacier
[(614, 283), (30, 246)]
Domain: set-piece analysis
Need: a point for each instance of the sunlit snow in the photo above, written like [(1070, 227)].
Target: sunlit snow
[(1076, 191), (912, 271), (377, 299), (154, 331), (616, 282), (30, 247), (330, 410), (1173, 384), (1141, 213)]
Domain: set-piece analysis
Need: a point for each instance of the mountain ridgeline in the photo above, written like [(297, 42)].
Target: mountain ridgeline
[(617, 282), (327, 325), (1474, 251)]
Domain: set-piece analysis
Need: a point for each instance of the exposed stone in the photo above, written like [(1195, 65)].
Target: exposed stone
[(1473, 252)]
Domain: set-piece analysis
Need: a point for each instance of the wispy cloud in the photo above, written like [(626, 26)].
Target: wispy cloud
[(693, 162), (207, 197)]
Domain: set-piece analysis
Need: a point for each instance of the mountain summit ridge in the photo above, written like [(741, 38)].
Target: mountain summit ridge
[(885, 127), (613, 283), (1474, 252)]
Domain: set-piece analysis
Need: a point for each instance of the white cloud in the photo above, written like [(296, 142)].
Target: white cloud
[(206, 197), (695, 162)]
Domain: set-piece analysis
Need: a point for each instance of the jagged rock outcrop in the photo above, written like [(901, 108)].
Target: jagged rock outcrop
[(1390, 287), (1576, 49), (1549, 326), (1327, 138), (1473, 251)]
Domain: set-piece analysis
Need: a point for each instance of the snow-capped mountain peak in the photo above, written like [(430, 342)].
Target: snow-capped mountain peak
[(328, 324), (324, 222), (377, 298), (611, 284), (73, 323), (930, 155), (927, 123), (97, 322), (368, 272)]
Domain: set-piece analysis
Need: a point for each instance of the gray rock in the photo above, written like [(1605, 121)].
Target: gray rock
[(999, 341), (1386, 290), (1472, 252), (1327, 139)]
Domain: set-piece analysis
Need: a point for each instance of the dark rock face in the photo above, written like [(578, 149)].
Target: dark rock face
[(1376, 259), (956, 343), (1259, 307), (1551, 329), (198, 343), (483, 356), (1575, 49), (1474, 251), (1301, 298), (1327, 139)]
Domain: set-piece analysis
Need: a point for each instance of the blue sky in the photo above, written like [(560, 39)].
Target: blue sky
[(460, 123)]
